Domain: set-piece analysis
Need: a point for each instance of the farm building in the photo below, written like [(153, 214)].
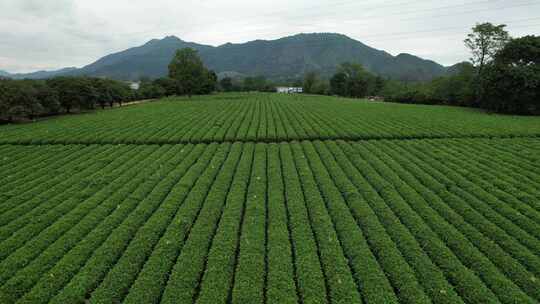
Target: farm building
[(134, 85), (289, 90)]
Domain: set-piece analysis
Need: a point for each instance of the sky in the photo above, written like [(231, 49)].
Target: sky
[(52, 34)]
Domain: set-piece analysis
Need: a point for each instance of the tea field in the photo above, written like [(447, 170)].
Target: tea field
[(266, 198)]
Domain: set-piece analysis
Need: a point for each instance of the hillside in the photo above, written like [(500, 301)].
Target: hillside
[(149, 60), (295, 55), (38, 74), (284, 58)]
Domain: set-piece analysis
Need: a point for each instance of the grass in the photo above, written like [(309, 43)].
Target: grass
[(263, 198)]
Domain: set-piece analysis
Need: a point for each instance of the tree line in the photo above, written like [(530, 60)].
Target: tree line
[(503, 76), (28, 99)]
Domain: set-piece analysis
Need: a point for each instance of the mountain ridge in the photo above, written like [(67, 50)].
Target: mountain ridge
[(278, 59), (38, 74)]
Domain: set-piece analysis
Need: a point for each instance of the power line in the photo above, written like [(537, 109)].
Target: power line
[(401, 11), (412, 34), (434, 30), (397, 5), (279, 12), (416, 18), (537, 25), (445, 15), (482, 10), (440, 29)]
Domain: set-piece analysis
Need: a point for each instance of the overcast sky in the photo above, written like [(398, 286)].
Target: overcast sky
[(51, 34)]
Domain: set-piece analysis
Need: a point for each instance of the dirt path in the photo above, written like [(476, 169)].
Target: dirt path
[(135, 102)]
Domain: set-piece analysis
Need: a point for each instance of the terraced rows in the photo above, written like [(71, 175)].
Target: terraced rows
[(262, 198), (266, 118), (320, 221)]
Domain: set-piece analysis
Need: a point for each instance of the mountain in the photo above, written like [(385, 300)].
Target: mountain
[(149, 60), (293, 56), (459, 67), (38, 74), (284, 58)]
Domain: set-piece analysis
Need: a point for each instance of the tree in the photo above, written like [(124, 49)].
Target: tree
[(48, 97), (188, 69), (512, 82), (74, 92), (226, 84), (338, 84), (378, 86), (484, 42), (4, 101), (456, 89), (310, 81), (171, 86), (209, 83), (103, 91), (248, 84), (21, 100), (150, 90), (88, 94), (321, 88), (351, 80), (257, 83), (119, 92)]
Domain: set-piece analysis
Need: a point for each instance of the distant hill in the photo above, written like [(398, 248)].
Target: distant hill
[(38, 74), (149, 60), (294, 56), (458, 67), (284, 58)]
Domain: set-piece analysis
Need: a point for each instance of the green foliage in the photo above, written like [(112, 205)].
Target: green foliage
[(503, 77), (210, 83), (258, 83), (265, 116), (352, 80), (313, 84), (170, 87), (310, 81), (485, 41), (512, 83), (226, 84), (149, 90), (268, 198), (74, 92), (189, 71), (32, 98), (457, 90)]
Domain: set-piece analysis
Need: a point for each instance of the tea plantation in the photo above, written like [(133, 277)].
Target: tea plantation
[(267, 198)]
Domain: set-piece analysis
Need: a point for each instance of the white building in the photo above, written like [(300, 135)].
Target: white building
[(134, 85), (289, 90)]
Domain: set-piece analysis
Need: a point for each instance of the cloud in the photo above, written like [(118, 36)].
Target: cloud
[(40, 8), (52, 34)]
